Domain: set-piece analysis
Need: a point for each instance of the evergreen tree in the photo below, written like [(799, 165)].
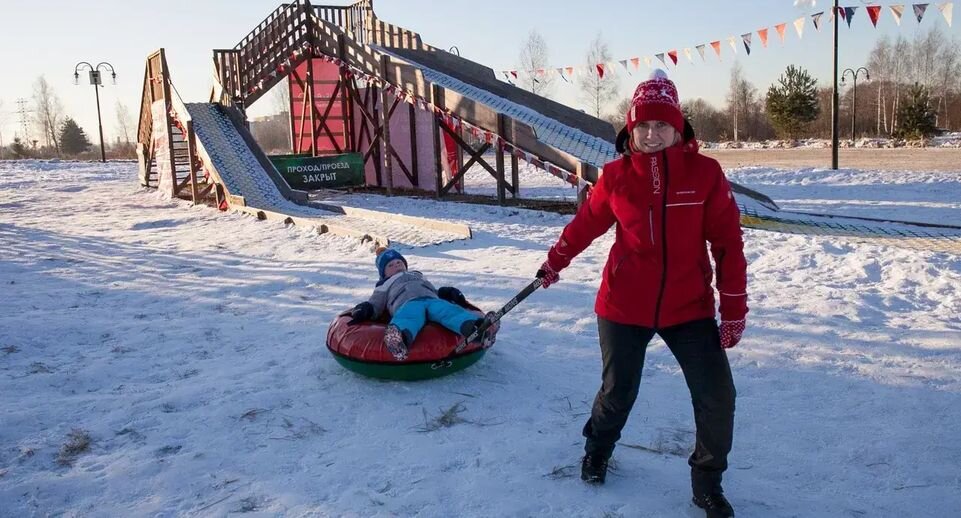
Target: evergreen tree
[(916, 118), (18, 149), (73, 140), (793, 103)]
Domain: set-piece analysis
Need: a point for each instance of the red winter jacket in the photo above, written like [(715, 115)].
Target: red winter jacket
[(667, 206)]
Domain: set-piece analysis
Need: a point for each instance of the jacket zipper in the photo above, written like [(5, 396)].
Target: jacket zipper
[(650, 219), (660, 293)]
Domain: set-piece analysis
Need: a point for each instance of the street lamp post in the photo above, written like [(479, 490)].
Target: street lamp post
[(95, 80), (854, 94), (834, 92)]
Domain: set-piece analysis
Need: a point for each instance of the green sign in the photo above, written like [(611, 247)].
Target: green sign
[(305, 172)]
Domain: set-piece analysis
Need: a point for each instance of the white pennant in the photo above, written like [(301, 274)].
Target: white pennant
[(687, 52), (896, 12), (799, 26), (733, 43), (946, 9)]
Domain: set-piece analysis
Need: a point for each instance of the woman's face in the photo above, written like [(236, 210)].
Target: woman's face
[(653, 136)]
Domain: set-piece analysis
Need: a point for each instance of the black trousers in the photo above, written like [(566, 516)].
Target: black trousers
[(697, 347)]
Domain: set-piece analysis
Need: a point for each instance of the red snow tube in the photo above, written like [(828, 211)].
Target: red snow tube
[(360, 348)]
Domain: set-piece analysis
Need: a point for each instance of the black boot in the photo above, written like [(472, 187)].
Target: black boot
[(709, 496), (594, 468), (715, 505)]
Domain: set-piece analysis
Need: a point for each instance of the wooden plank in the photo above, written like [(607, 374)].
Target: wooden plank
[(412, 115), (501, 195), (458, 229), (437, 96), (320, 224), (385, 64)]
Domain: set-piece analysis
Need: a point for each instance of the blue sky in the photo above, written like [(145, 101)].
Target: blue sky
[(50, 37)]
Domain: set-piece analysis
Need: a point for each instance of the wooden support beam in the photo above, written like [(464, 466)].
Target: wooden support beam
[(384, 66), (475, 157), (437, 99), (501, 195), (346, 100), (313, 123), (412, 115), (191, 156)]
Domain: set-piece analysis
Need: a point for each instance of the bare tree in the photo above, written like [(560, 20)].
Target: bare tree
[(49, 112), (740, 98), (3, 120), (879, 64), (124, 121), (947, 68), (533, 71), (597, 91), (280, 97)]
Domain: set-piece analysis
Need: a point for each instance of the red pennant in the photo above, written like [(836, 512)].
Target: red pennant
[(600, 70), (636, 62), (763, 34), (874, 13), (716, 45), (673, 55), (780, 30), (514, 73)]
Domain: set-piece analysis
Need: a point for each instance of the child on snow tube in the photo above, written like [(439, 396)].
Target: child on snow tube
[(412, 301)]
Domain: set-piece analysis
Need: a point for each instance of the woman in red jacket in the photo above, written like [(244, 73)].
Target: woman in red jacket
[(667, 202)]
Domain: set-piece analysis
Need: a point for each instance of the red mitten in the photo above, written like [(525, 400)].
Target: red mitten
[(548, 274), (731, 331)]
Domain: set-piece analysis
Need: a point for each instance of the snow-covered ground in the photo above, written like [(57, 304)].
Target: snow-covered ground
[(187, 346)]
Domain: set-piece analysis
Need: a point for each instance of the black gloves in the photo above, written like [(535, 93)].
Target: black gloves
[(361, 313), (452, 295)]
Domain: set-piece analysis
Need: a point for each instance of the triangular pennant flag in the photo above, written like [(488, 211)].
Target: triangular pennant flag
[(746, 38), (673, 55), (560, 71), (799, 26), (716, 45), (733, 43), (842, 13), (947, 9), (570, 71), (919, 11), (816, 18), (600, 70), (514, 73), (687, 52), (874, 13), (647, 61), (849, 14), (637, 63), (780, 30), (661, 57), (762, 33), (624, 63), (700, 49), (896, 12)]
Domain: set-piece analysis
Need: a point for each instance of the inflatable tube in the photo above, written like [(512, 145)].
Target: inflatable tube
[(360, 348)]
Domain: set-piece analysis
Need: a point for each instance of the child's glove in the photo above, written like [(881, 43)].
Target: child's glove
[(548, 274), (731, 331), (361, 312), (452, 295)]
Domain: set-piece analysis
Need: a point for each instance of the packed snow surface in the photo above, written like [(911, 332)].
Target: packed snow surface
[(159, 359)]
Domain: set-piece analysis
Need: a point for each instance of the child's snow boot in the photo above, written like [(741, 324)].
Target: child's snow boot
[(396, 342), (594, 468)]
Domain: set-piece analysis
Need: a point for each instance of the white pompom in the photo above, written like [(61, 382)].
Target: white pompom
[(657, 73)]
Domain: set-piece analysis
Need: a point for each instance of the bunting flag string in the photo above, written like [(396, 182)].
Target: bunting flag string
[(946, 9), (896, 12), (844, 13), (919, 11)]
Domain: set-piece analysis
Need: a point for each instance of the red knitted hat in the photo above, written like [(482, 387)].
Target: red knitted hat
[(656, 100)]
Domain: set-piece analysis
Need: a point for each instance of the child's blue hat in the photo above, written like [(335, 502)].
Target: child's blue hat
[(385, 257)]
